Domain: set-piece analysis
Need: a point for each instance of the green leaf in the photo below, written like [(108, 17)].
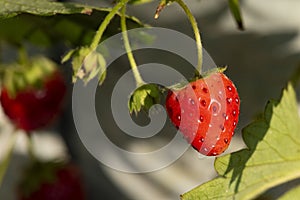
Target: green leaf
[(234, 6), (143, 98), (6, 160), (9, 8), (272, 157), (72, 29), (292, 194)]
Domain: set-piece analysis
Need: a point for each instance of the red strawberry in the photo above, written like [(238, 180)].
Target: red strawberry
[(33, 105), (206, 112), (51, 181)]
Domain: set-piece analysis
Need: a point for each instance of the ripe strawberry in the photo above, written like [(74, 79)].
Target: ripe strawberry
[(32, 103), (206, 112), (51, 181)]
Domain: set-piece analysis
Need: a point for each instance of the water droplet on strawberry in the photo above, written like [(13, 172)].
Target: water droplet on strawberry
[(215, 107), (234, 112), (229, 100), (201, 139), (201, 118), (192, 101), (237, 100), (229, 88)]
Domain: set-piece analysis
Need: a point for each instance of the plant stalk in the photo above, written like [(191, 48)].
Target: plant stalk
[(136, 73), (106, 22), (193, 22)]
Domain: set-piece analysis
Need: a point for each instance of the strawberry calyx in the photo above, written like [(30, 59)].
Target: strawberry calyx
[(144, 97), (32, 74), (181, 85)]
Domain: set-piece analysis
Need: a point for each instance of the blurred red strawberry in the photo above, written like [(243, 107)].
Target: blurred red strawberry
[(51, 181), (32, 96)]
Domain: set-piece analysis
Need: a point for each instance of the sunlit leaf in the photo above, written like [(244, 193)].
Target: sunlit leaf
[(9, 8), (272, 157)]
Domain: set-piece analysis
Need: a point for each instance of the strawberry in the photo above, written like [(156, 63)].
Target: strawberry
[(206, 112), (31, 99), (51, 181)]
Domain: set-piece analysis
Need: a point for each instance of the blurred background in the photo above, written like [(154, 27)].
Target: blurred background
[(260, 62)]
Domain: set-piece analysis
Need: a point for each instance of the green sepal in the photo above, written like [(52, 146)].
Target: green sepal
[(19, 76), (181, 85), (144, 97), (87, 64)]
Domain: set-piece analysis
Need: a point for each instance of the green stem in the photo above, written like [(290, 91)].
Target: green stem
[(196, 32), (23, 57), (7, 157), (30, 147), (137, 76), (105, 23)]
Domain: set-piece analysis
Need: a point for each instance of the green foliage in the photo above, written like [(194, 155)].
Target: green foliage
[(292, 194), (73, 29), (143, 98), (6, 159), (10, 8), (30, 73), (272, 157), (234, 6), (69, 23)]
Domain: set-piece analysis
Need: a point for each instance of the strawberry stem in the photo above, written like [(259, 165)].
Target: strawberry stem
[(137, 76), (23, 57), (30, 147), (159, 8), (196, 32), (7, 157), (106, 22)]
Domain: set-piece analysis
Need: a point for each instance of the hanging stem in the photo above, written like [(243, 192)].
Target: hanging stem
[(196, 32), (105, 23), (7, 157), (30, 147), (136, 73)]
